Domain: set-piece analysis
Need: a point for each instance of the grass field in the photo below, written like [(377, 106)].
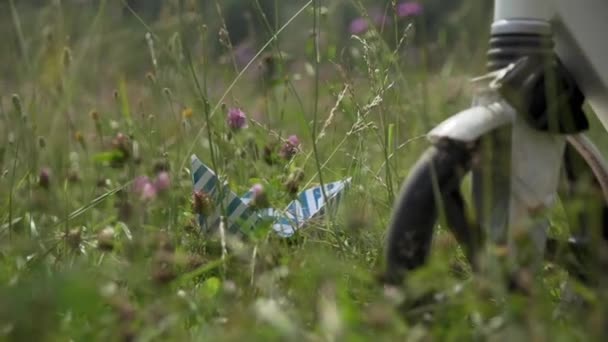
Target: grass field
[(92, 101)]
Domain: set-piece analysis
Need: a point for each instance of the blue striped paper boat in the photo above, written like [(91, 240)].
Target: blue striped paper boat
[(309, 204)]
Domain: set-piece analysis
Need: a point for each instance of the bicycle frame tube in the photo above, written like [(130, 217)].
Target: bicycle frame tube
[(578, 29), (523, 9)]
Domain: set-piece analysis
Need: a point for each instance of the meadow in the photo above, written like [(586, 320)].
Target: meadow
[(101, 107)]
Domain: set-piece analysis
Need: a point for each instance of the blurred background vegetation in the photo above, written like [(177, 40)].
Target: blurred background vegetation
[(449, 29)]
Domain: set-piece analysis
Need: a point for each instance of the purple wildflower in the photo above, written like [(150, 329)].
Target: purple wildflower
[(358, 26), (44, 178), (236, 119), (290, 148), (201, 203), (259, 198), (121, 143), (293, 140), (139, 183), (147, 189), (257, 189), (409, 9), (148, 192), (162, 181)]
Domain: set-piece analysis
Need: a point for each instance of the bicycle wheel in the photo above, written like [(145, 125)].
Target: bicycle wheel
[(435, 179)]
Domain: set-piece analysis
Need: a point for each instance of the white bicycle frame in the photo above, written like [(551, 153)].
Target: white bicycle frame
[(536, 156), (578, 28)]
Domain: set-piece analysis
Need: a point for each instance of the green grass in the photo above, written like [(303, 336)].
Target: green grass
[(76, 78)]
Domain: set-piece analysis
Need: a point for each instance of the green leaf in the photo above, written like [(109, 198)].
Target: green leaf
[(211, 287), (108, 157)]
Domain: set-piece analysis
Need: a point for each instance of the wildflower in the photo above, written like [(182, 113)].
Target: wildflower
[(293, 139), (121, 144), (290, 147), (201, 203), (162, 181), (187, 113), (257, 189), (147, 189), (236, 119), (44, 178), (358, 26), (143, 187), (259, 198), (148, 192), (409, 9), (139, 183)]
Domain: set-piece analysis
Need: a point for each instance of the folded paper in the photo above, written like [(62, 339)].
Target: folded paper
[(240, 215)]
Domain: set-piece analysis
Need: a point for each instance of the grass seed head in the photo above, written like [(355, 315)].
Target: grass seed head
[(105, 239)]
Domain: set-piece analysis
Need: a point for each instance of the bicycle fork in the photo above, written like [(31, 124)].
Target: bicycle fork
[(512, 138)]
